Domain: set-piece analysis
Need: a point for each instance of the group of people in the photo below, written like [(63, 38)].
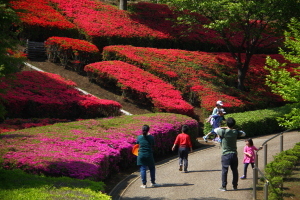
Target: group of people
[(228, 138)]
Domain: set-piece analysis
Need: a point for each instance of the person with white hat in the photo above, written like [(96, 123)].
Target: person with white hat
[(219, 106)]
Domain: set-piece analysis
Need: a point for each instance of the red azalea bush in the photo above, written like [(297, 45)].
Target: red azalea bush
[(140, 86), (44, 95), (18, 123), (71, 52), (202, 76), (105, 24), (40, 20), (92, 149)]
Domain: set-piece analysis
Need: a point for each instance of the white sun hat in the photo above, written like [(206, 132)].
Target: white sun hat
[(220, 103)]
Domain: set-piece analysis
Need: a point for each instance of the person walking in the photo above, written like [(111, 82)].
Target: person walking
[(183, 140), (145, 156), (229, 152), (218, 118), (249, 156)]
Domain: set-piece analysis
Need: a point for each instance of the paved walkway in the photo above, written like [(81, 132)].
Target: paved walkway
[(204, 177)]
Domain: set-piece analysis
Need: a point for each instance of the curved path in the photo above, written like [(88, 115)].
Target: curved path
[(204, 177)]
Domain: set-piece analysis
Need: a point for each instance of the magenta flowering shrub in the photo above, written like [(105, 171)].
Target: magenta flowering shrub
[(71, 52), (90, 149), (140, 86), (202, 77), (40, 20), (44, 95)]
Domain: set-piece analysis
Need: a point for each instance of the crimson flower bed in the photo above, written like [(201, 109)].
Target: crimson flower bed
[(202, 76), (140, 86), (105, 24), (40, 20), (91, 149), (70, 52), (9, 125), (45, 95)]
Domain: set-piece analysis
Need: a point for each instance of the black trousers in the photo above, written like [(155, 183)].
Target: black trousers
[(231, 160), (183, 153), (246, 166)]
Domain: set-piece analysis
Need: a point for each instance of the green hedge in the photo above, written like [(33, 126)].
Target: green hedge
[(281, 167), (16, 185), (259, 122)]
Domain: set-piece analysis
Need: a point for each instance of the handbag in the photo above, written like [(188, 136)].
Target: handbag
[(135, 149)]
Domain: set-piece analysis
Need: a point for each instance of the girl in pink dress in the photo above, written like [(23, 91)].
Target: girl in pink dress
[(249, 156)]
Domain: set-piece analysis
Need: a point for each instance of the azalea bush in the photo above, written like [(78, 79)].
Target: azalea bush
[(90, 149), (202, 77), (45, 95), (40, 20), (105, 24), (71, 52), (19, 123), (140, 86)]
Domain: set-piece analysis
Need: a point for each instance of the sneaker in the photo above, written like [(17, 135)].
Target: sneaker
[(144, 186), (243, 177), (204, 138), (234, 188), (180, 167), (155, 185), (223, 189), (186, 171)]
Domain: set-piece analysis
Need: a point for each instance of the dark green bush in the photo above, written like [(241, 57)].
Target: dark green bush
[(281, 168)]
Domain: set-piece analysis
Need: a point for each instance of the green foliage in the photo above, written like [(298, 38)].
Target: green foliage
[(280, 168), (285, 82), (248, 20), (259, 122), (16, 185)]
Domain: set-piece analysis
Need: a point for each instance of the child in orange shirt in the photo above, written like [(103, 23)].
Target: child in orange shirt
[(183, 140)]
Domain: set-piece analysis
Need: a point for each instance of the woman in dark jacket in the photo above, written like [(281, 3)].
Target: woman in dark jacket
[(145, 157)]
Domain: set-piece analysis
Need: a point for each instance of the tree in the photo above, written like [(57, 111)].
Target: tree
[(123, 5), (8, 40), (284, 82), (254, 22)]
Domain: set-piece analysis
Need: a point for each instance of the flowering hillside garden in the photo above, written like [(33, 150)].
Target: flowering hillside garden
[(40, 20), (71, 52), (45, 95), (140, 86), (90, 149), (201, 76)]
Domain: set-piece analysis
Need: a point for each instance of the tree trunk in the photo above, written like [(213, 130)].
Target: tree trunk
[(241, 78), (242, 71), (123, 5)]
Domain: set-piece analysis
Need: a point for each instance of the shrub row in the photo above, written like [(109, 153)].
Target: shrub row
[(44, 95), (70, 52), (259, 122), (40, 20), (89, 148), (16, 184), (140, 86), (281, 168)]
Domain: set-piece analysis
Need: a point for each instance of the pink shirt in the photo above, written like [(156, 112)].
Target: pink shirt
[(250, 150)]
